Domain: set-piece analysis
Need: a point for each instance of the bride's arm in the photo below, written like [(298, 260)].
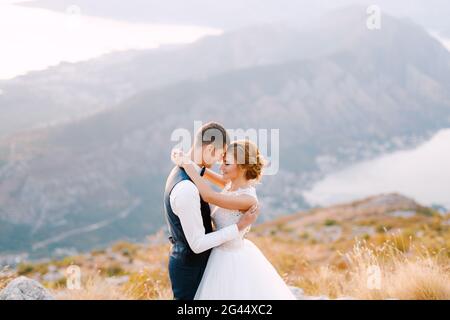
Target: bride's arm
[(233, 202), (215, 178)]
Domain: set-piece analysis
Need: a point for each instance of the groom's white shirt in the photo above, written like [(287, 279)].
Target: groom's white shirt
[(185, 203)]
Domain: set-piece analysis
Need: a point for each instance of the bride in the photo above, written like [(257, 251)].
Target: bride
[(236, 270)]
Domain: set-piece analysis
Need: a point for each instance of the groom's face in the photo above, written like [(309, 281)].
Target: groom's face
[(212, 155)]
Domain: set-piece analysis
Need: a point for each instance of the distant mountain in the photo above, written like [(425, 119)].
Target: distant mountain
[(90, 182), (73, 90), (70, 91)]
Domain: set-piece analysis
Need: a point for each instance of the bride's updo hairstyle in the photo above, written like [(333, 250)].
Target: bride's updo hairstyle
[(247, 157)]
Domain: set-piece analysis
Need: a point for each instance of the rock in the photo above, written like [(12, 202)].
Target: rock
[(359, 231), (327, 234), (52, 268), (298, 292), (390, 202), (403, 214), (23, 288), (117, 281), (53, 276)]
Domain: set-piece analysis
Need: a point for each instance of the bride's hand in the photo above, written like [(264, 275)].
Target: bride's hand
[(179, 158)]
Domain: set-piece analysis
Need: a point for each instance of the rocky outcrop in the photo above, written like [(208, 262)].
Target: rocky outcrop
[(23, 288)]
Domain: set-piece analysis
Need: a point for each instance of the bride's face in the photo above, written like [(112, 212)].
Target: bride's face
[(229, 168)]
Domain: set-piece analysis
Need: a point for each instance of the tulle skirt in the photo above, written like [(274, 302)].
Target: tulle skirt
[(241, 273)]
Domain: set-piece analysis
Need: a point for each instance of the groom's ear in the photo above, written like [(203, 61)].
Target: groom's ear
[(210, 149)]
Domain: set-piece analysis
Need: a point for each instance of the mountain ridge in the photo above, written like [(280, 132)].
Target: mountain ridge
[(90, 170)]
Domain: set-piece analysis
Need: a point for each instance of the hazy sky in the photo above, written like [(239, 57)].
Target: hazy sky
[(37, 38), (422, 173), (33, 39), (232, 13)]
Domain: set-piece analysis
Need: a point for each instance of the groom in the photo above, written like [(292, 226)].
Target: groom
[(189, 217)]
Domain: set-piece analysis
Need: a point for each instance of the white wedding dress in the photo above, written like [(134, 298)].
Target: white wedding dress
[(237, 270)]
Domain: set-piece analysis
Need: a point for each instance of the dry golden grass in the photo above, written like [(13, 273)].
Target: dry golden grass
[(401, 276), (94, 288), (411, 255), (149, 285), (142, 286), (415, 274), (5, 277)]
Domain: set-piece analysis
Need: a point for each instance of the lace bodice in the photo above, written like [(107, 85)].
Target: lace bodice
[(223, 217)]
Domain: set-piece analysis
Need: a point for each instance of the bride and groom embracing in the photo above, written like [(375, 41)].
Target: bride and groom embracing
[(217, 263)]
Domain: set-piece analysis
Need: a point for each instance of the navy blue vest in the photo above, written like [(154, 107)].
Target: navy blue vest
[(180, 249)]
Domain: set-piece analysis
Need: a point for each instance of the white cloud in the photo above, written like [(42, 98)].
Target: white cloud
[(33, 39)]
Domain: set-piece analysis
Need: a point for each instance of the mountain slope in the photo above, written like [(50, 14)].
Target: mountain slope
[(74, 90), (105, 173), (324, 251)]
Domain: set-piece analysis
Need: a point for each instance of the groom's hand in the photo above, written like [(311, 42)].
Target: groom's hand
[(248, 218)]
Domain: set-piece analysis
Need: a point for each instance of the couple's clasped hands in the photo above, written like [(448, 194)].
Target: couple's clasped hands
[(248, 217)]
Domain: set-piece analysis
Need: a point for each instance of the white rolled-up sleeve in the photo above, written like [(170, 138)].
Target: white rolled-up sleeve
[(185, 203)]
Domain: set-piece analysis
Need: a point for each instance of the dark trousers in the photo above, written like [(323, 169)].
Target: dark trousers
[(185, 277)]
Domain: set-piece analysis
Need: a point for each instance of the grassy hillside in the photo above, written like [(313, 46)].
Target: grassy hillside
[(326, 251)]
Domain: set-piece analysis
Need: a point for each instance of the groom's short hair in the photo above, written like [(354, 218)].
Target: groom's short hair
[(212, 133)]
